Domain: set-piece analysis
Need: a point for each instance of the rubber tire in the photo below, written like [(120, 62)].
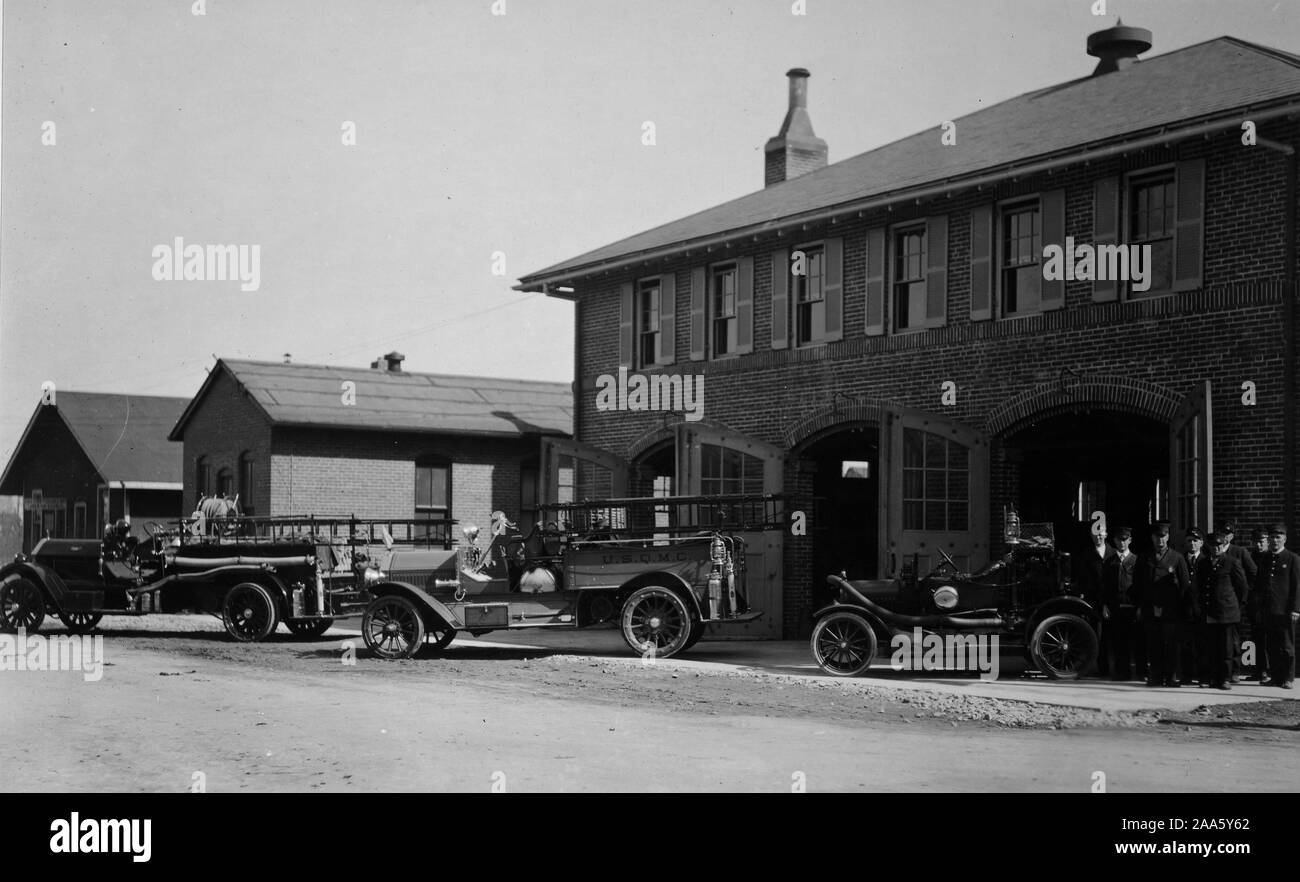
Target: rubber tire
[(674, 603), (31, 606), (697, 631), (1080, 629), (308, 629), (440, 637), (262, 626), (80, 622), (414, 635), (860, 629)]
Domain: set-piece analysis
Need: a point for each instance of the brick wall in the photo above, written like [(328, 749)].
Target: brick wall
[(229, 423), (1229, 332), (372, 474)]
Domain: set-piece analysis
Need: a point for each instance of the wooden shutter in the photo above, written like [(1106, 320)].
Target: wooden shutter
[(875, 281), (699, 297), (1105, 231), (936, 273), (981, 263), (1190, 226), (667, 319), (744, 305), (625, 342), (781, 298), (1053, 227), (833, 290)]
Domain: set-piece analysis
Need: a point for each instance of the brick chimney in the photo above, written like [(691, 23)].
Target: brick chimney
[(392, 362), (795, 150), (1117, 48)]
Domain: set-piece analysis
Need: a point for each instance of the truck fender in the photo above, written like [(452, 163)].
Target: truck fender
[(884, 632), (53, 587), (664, 580), (421, 598)]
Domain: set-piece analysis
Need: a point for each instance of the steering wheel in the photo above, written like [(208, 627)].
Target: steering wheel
[(947, 562), (154, 529)]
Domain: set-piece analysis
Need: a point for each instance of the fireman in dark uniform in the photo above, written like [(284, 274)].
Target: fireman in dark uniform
[(1221, 591), (1246, 560), (1119, 611), (1191, 661), (1164, 596), (1277, 588)]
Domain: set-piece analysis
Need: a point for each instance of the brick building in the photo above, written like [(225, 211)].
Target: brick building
[(881, 338), (297, 439), (89, 458)]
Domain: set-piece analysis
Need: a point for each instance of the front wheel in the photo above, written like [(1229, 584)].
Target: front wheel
[(80, 622), (1063, 647), (656, 622), (843, 644), (21, 606), (309, 629), (392, 627), (249, 613)]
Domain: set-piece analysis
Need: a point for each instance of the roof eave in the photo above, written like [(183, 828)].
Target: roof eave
[(545, 282)]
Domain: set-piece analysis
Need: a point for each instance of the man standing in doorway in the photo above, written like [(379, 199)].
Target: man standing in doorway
[(1164, 597), (1096, 572), (1277, 608)]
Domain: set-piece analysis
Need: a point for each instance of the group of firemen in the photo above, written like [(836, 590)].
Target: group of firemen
[(1212, 614)]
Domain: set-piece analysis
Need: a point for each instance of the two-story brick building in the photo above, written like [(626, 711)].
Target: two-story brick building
[(881, 338), (299, 439)]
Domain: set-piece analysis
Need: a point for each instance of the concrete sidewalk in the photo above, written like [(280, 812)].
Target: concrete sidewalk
[(794, 658)]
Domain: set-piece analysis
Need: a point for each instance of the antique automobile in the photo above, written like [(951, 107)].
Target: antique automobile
[(254, 573), (1024, 598), (663, 591)]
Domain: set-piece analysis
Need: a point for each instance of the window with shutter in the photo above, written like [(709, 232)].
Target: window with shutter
[(1151, 222), (909, 277), (1020, 257)]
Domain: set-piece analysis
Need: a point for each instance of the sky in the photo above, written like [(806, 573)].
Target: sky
[(487, 146)]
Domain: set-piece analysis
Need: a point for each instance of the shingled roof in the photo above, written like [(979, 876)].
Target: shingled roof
[(311, 395), (124, 436), (1161, 94)]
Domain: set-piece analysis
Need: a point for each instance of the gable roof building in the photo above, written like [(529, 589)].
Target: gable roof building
[(91, 457), (381, 442)]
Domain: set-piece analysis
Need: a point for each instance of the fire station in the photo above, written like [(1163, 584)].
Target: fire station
[(918, 373)]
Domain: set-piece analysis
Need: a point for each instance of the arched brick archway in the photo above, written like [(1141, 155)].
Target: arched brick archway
[(1049, 399), (651, 438), (813, 427)]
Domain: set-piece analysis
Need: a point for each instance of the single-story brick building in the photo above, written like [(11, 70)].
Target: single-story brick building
[(299, 439), (89, 458), (886, 339)]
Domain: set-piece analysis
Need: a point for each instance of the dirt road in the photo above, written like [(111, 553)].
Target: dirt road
[(288, 715)]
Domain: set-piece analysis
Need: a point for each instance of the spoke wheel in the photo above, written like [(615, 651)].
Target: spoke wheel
[(21, 606), (657, 618), (1064, 647), (392, 627), (249, 613), (80, 622), (309, 629), (843, 644)]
